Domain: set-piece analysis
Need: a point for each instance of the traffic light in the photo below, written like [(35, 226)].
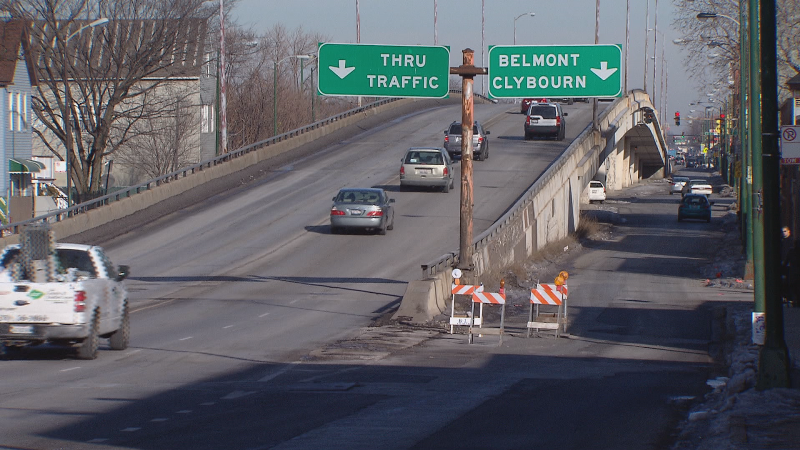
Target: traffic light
[(677, 118)]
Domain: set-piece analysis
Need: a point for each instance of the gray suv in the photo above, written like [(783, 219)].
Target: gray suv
[(546, 119), (480, 141)]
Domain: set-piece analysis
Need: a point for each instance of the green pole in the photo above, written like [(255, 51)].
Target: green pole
[(755, 143), (747, 146), (773, 362)]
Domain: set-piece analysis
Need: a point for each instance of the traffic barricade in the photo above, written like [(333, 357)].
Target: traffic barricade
[(549, 295), (489, 298), (463, 318)]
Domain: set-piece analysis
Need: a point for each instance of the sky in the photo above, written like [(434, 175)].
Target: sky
[(459, 26)]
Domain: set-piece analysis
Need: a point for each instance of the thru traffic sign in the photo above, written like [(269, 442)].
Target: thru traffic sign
[(561, 71), (383, 70)]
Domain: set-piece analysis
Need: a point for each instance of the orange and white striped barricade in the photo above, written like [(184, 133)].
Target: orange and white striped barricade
[(489, 298), (549, 295), (465, 319)]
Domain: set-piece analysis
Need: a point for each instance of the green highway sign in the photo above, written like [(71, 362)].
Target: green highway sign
[(559, 71), (383, 70)]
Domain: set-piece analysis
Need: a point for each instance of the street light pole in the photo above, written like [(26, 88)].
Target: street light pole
[(749, 82), (773, 363), (68, 101), (275, 90), (515, 23), (223, 106)]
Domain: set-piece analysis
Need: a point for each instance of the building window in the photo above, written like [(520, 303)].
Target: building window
[(11, 111), (207, 119)]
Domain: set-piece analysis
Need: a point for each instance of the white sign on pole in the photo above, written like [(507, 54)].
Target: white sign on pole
[(790, 144)]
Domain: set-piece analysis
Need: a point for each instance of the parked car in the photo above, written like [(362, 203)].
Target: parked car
[(697, 187), (480, 141), (427, 167), (362, 208), (596, 191), (676, 184), (695, 206), (546, 119)]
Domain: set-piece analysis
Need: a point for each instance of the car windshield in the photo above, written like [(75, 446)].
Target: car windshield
[(693, 182), (433, 158), (455, 128), (547, 112), (362, 197), (595, 184)]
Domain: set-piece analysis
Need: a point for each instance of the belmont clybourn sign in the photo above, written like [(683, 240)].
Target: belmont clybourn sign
[(555, 71), (384, 70)]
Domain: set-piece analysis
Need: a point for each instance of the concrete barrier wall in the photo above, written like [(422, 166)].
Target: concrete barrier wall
[(547, 212)]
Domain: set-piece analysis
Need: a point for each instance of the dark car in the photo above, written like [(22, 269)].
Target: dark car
[(362, 208), (694, 206), (546, 119), (480, 141)]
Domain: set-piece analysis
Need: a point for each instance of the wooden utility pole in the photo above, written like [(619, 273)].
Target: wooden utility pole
[(467, 71)]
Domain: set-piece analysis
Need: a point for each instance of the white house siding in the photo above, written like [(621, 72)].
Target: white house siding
[(17, 142)]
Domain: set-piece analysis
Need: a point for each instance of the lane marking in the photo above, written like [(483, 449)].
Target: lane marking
[(280, 372), (184, 411), (208, 404), (227, 326), (237, 394), (264, 315), (131, 429), (97, 440), (71, 368), (159, 419), (185, 339)]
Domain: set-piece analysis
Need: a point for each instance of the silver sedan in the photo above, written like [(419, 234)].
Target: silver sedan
[(362, 208)]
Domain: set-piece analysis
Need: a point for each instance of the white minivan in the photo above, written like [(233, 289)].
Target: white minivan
[(597, 192)]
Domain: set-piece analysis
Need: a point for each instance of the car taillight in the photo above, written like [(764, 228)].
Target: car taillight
[(80, 301), (374, 213), (336, 212), (558, 120), (447, 138), (402, 170), (528, 120), (480, 139), (445, 172)]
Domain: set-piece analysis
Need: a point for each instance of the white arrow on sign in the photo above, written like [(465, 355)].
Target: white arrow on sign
[(603, 72), (343, 71)]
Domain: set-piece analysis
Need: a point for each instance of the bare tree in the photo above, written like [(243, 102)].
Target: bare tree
[(163, 144), (93, 81), (712, 45), (254, 79)]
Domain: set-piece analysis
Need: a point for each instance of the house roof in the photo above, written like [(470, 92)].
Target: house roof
[(794, 83), (13, 34)]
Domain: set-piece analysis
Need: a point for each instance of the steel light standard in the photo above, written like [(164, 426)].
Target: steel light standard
[(275, 90), (515, 23), (746, 131), (68, 100)]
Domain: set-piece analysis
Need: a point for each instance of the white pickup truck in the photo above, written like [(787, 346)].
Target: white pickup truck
[(86, 302)]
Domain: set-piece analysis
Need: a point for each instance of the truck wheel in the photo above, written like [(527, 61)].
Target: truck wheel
[(8, 352), (88, 348), (120, 338)]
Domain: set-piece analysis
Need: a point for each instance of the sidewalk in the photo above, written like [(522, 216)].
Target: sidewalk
[(736, 416)]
